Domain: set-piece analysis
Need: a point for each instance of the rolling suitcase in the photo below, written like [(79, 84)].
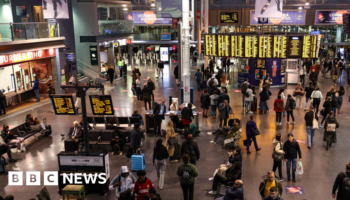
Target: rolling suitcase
[(69, 145), (138, 162), (254, 107), (204, 84), (177, 151)]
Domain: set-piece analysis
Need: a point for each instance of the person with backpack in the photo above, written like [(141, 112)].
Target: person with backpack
[(151, 86), (211, 81), (190, 148), (267, 183), (327, 108), (214, 88), (264, 96), (187, 116), (170, 135), (290, 106), (291, 149), (278, 155), (342, 184), (187, 173), (160, 154), (250, 135), (36, 88), (335, 103), (267, 81), (244, 88), (310, 129), (2, 103), (249, 98), (142, 185), (330, 126), (308, 90), (278, 107), (232, 174), (213, 103), (123, 184)]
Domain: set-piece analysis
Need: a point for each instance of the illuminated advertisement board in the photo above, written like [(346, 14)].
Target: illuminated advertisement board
[(144, 18), (330, 17), (164, 54)]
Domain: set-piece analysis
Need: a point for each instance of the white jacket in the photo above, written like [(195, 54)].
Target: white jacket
[(127, 183), (251, 95), (316, 95)]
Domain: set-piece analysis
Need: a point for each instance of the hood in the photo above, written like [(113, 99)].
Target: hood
[(213, 76), (124, 169), (331, 119), (142, 181), (238, 165)]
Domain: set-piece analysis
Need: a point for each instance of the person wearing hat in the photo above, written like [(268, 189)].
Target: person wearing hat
[(123, 184), (135, 137), (51, 91)]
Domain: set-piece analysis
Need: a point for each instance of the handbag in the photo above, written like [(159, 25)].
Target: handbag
[(276, 156), (255, 131), (172, 141), (314, 124), (245, 143)]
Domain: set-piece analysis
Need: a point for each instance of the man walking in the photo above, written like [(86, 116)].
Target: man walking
[(160, 69), (110, 73), (342, 184), (120, 66), (309, 117), (291, 149), (244, 88), (198, 77), (269, 182), (158, 113), (191, 148)]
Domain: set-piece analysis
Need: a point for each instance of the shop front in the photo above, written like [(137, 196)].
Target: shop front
[(18, 72)]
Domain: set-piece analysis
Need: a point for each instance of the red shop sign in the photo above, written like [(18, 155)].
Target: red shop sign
[(25, 56), (128, 41)]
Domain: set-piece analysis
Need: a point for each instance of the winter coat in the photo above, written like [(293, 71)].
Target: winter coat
[(278, 146), (251, 95), (135, 138), (277, 183), (214, 99), (193, 174), (249, 128), (213, 89), (190, 142), (288, 104), (327, 107), (234, 193), (313, 76), (264, 95), (170, 133), (224, 111), (330, 136), (36, 85), (127, 183), (235, 173), (187, 114), (223, 97), (275, 105), (292, 149), (235, 158), (176, 72), (205, 101), (146, 93)]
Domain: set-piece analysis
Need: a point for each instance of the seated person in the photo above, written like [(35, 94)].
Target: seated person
[(33, 124), (136, 114), (117, 142), (9, 138), (76, 134), (4, 148), (228, 132), (235, 156), (111, 122), (234, 192), (123, 184), (232, 174), (152, 195), (273, 194), (81, 123)]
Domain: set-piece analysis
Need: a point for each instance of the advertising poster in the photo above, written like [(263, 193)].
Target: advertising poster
[(268, 8), (142, 18), (260, 64), (330, 16), (290, 17), (164, 54), (55, 9), (274, 69), (257, 73), (169, 9)]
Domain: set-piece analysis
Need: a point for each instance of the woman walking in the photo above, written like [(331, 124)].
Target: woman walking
[(341, 93), (249, 97), (330, 125), (316, 96), (187, 173), (290, 106), (327, 108), (299, 93), (278, 107), (213, 103), (170, 134), (205, 103), (278, 155), (250, 136), (187, 115), (330, 92), (224, 82), (160, 154), (281, 92)]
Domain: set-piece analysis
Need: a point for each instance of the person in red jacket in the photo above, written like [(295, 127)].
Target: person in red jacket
[(278, 107), (314, 67), (142, 185)]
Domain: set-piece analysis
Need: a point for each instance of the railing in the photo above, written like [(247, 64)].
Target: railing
[(108, 27), (88, 68), (27, 31)]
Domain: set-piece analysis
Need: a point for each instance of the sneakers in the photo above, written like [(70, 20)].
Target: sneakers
[(287, 123), (211, 179), (292, 123), (281, 179), (212, 192), (213, 142), (258, 149), (210, 133), (250, 112), (280, 123)]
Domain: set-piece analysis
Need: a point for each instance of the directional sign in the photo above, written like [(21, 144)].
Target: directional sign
[(263, 20)]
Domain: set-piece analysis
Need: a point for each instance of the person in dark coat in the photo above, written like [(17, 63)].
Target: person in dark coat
[(187, 115), (234, 192), (158, 116), (273, 194), (135, 137), (339, 184), (232, 174), (152, 195), (329, 135), (205, 103), (191, 148), (224, 112), (211, 66), (327, 108), (291, 149), (313, 77), (250, 136), (51, 91), (223, 64), (110, 73), (146, 93), (176, 74), (224, 96)]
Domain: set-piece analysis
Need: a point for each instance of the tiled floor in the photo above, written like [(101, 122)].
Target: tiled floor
[(320, 166)]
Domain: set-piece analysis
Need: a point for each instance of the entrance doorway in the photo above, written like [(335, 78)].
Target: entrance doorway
[(38, 14)]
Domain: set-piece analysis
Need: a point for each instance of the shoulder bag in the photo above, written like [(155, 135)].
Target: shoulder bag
[(255, 131), (276, 156), (172, 141), (314, 123)]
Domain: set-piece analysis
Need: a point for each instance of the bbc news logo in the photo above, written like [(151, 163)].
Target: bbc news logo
[(51, 178)]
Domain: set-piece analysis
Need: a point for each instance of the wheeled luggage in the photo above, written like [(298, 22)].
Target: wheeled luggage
[(138, 162)]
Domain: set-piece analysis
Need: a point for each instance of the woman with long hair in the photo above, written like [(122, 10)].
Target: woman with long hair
[(170, 134), (138, 87), (160, 154), (327, 108), (250, 136), (281, 92), (277, 155), (224, 82), (330, 92), (316, 97)]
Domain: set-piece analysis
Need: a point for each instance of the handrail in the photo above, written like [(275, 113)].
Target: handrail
[(90, 67), (85, 72)]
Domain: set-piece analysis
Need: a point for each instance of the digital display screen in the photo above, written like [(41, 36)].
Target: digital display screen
[(101, 104), (313, 46), (63, 104), (229, 17), (207, 45), (234, 46), (280, 47), (224, 45), (164, 54), (248, 46), (265, 46), (214, 45), (306, 47), (254, 46), (295, 43), (240, 46)]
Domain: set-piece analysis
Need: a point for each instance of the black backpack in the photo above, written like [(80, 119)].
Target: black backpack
[(151, 86), (244, 87), (346, 186), (335, 101), (188, 149), (186, 172), (211, 82), (293, 104)]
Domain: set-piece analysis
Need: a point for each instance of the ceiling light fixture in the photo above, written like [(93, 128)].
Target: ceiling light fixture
[(124, 5), (300, 9), (153, 4), (307, 5), (125, 9)]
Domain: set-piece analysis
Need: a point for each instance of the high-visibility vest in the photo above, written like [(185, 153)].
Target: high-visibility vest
[(120, 63)]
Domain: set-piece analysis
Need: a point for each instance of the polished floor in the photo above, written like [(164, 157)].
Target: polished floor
[(320, 166)]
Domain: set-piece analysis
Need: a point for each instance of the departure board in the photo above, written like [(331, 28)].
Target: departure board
[(265, 46), (207, 45), (240, 46), (224, 45), (251, 46), (101, 104), (63, 104), (234, 46), (314, 46), (280, 47), (295, 47), (214, 45), (306, 46)]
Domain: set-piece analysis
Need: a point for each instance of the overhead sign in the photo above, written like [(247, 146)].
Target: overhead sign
[(268, 8), (289, 17), (93, 55), (295, 46), (101, 104), (144, 18), (315, 32), (229, 17), (169, 9), (26, 56), (330, 17), (63, 104), (81, 160), (70, 56), (165, 36), (263, 20)]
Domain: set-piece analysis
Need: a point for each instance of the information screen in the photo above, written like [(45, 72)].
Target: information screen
[(251, 46), (240, 46), (229, 17), (295, 47), (234, 46), (280, 47), (207, 45), (224, 45), (265, 47), (306, 47), (164, 54), (63, 104), (101, 104), (214, 45), (314, 46)]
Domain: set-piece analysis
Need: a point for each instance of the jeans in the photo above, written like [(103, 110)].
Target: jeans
[(334, 109), (310, 135), (249, 105), (193, 160), (291, 114), (243, 100), (187, 190), (198, 85), (149, 105), (213, 110), (51, 104), (278, 116), (284, 110), (306, 100), (263, 106), (277, 164), (157, 125), (219, 132), (37, 95), (218, 178), (138, 93), (225, 122), (294, 165), (160, 167), (316, 104), (249, 138)]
